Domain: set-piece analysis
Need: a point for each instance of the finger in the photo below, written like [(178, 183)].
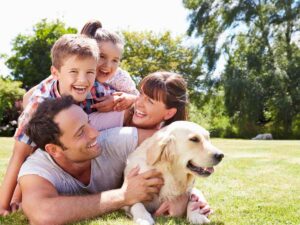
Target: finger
[(197, 205), (205, 209), (117, 93), (5, 212), (164, 207), (133, 172), (152, 190), (151, 173), (154, 182)]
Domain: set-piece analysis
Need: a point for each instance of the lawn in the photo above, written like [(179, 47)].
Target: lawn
[(258, 182)]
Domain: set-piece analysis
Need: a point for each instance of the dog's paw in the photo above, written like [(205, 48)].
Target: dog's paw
[(146, 219), (196, 217)]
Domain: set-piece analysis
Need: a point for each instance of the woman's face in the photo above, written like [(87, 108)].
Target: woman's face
[(149, 113)]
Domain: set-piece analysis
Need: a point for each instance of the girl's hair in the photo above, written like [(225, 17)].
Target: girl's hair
[(94, 30), (169, 88)]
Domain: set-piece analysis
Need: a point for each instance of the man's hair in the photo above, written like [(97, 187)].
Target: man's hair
[(73, 45), (41, 128)]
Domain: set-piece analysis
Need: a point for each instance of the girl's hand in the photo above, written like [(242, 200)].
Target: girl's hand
[(106, 103), (125, 101)]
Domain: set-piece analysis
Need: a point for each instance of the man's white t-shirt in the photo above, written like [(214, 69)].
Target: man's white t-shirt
[(106, 170)]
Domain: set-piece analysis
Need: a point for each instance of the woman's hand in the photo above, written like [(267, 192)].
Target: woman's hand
[(175, 208)]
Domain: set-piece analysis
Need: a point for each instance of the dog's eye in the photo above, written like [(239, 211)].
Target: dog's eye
[(195, 139)]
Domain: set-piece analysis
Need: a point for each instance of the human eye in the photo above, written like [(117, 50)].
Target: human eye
[(80, 133)]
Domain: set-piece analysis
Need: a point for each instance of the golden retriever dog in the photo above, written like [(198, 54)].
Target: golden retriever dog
[(180, 151)]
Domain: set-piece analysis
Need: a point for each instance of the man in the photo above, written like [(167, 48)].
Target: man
[(77, 173)]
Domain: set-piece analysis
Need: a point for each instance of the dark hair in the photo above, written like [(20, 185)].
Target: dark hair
[(93, 29), (169, 88), (41, 128)]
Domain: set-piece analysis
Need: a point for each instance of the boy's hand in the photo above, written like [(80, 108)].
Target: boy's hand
[(125, 101), (4, 212), (106, 103)]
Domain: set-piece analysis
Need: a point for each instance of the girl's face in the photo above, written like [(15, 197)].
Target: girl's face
[(149, 113), (110, 56)]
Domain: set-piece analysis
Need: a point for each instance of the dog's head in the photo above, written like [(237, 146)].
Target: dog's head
[(185, 145)]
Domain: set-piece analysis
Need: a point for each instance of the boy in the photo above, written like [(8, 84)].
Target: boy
[(74, 63)]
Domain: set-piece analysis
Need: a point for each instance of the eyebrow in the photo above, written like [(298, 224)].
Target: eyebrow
[(80, 128)]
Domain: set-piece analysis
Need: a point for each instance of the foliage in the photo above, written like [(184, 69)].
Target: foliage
[(240, 191), (261, 79), (147, 52), (31, 60), (10, 106)]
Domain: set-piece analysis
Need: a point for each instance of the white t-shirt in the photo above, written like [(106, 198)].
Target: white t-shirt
[(107, 168)]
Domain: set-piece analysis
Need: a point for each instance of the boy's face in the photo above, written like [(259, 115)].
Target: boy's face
[(110, 56), (76, 76)]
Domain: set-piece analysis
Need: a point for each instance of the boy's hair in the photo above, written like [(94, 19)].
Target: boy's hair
[(169, 88), (41, 128), (73, 45), (93, 29)]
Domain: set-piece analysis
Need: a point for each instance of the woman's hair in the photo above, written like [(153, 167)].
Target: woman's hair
[(169, 88), (94, 30)]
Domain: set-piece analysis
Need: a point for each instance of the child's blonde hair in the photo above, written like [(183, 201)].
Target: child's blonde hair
[(73, 45)]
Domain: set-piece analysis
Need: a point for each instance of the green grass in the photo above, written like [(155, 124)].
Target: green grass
[(258, 182)]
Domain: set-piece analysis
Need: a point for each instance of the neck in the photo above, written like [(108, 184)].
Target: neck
[(80, 171)]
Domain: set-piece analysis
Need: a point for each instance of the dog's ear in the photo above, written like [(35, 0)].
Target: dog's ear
[(161, 150)]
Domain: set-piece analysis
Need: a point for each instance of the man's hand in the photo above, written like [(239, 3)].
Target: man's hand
[(125, 101), (175, 208), (106, 103), (141, 187)]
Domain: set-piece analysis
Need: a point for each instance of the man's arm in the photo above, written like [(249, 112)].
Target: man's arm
[(43, 205)]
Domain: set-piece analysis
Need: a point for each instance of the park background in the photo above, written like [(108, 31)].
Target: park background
[(241, 61)]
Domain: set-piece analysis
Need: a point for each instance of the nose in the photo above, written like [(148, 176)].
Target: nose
[(93, 133), (218, 156)]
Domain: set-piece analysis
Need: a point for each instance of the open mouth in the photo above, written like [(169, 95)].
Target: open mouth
[(139, 114), (201, 171), (80, 89)]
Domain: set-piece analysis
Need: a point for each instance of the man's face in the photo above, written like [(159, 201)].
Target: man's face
[(78, 136), (76, 77)]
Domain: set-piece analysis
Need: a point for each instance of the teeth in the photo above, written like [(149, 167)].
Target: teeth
[(140, 113), (93, 144)]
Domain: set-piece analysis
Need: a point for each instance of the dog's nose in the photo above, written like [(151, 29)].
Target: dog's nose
[(218, 156)]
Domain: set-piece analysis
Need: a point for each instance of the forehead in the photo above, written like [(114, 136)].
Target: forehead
[(70, 119), (110, 47)]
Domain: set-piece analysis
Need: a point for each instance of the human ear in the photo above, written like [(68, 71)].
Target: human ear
[(54, 72), (170, 113), (52, 150)]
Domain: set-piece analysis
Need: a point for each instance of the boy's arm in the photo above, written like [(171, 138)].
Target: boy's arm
[(43, 205), (20, 152)]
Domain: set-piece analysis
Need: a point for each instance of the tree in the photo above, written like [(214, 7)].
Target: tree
[(31, 60), (261, 79), (10, 93), (147, 52)]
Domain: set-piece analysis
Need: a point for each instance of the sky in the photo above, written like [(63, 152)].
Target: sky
[(19, 16)]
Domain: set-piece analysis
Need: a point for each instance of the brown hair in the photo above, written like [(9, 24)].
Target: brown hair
[(93, 29), (41, 128), (73, 45), (169, 88)]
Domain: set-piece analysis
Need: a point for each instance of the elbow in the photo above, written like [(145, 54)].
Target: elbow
[(42, 218)]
